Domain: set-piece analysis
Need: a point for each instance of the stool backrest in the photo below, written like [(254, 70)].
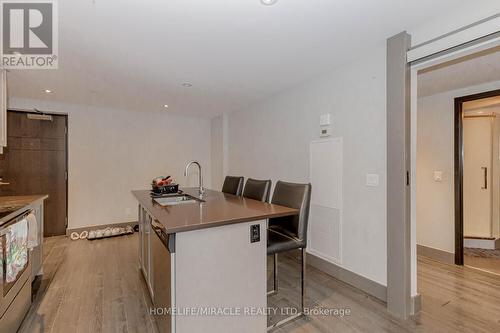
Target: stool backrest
[(257, 189), (233, 185), (295, 196)]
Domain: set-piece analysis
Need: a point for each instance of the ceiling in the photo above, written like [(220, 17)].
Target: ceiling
[(136, 54), (461, 73)]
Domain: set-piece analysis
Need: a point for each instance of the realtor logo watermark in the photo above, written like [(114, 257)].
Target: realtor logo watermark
[(247, 311), (29, 34)]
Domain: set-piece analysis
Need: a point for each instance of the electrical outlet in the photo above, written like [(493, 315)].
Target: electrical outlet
[(372, 180), (255, 233)]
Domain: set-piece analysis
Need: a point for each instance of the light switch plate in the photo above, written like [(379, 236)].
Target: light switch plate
[(372, 179), (325, 119), (438, 176)]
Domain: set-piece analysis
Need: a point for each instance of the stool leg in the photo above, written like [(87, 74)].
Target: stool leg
[(303, 290), (275, 276), (303, 281), (276, 273)]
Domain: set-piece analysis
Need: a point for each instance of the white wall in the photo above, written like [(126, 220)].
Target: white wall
[(435, 201), (217, 154), (219, 146), (271, 140), (112, 152), (435, 151)]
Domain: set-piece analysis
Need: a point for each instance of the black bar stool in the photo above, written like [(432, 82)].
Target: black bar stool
[(257, 189), (233, 185), (289, 232)]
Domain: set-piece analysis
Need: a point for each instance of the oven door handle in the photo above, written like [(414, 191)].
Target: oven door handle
[(159, 230), (3, 255)]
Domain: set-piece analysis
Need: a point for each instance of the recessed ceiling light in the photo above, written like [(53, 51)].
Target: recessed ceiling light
[(165, 106), (480, 112), (48, 91), (187, 85), (268, 2)]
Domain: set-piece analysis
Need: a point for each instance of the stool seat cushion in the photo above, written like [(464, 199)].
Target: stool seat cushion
[(281, 241)]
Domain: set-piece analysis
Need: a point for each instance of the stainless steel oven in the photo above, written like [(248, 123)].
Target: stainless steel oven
[(15, 272)]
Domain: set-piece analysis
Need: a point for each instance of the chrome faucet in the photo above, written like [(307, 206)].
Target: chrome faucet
[(200, 177)]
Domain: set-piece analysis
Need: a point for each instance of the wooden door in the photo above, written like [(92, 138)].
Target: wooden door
[(35, 162), (477, 138)]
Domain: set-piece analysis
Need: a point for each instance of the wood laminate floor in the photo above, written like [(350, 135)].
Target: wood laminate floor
[(94, 286), (487, 260), (90, 286)]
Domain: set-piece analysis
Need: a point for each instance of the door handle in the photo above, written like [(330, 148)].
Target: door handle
[(159, 229), (485, 174), (156, 225)]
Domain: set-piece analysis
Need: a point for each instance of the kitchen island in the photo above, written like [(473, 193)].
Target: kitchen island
[(204, 260)]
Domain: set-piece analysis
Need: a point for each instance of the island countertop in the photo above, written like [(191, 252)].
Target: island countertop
[(218, 209)]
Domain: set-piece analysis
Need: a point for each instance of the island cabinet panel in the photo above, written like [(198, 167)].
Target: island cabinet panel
[(220, 271), (162, 281), (145, 251), (140, 223), (156, 265)]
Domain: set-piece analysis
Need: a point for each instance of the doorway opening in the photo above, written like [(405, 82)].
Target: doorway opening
[(450, 95), (35, 161), (477, 181)]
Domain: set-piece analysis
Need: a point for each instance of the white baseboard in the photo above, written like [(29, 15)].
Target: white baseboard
[(436, 254), (480, 243), (368, 286)]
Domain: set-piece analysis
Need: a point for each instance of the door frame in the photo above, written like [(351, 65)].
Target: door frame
[(398, 124), (459, 169), (470, 39), (66, 139)]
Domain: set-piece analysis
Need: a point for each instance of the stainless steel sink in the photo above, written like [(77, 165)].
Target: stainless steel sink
[(176, 200)]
